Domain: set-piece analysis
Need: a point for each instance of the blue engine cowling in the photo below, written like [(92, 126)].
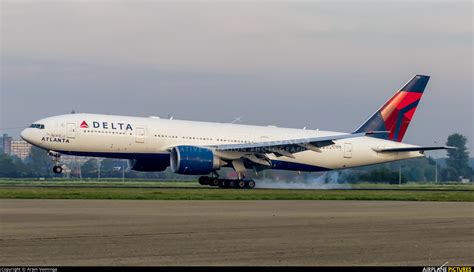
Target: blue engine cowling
[(193, 160)]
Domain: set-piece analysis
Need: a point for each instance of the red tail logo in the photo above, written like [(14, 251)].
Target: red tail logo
[(84, 124), (396, 114)]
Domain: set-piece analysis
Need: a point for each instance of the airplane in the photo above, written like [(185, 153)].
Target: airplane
[(202, 148)]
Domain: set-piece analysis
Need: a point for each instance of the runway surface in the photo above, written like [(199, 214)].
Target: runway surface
[(128, 232)]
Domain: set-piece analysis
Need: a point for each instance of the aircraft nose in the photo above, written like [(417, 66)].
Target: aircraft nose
[(26, 135)]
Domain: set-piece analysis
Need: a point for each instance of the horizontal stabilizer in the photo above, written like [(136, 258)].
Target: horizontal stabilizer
[(415, 148)]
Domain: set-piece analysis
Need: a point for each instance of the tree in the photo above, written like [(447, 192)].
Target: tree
[(7, 167), (39, 162), (429, 172), (449, 174), (458, 158), (89, 168), (111, 168), (383, 175), (22, 170)]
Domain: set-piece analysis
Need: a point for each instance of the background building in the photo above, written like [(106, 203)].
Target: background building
[(6, 144), (20, 148)]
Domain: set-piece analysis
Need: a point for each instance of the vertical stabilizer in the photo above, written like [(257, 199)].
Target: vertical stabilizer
[(395, 115)]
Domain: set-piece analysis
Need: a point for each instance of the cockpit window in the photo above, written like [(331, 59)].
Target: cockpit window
[(38, 126)]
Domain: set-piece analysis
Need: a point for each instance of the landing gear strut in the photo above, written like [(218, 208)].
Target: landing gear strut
[(227, 183), (57, 169)]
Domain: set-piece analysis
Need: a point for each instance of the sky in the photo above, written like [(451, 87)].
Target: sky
[(315, 64)]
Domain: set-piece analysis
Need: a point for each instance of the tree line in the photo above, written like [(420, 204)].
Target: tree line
[(38, 165)]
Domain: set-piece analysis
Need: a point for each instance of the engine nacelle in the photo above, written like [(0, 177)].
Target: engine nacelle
[(193, 160)]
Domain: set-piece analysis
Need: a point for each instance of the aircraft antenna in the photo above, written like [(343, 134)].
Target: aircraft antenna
[(237, 119)]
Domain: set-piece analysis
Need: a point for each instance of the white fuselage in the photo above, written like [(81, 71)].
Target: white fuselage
[(147, 138)]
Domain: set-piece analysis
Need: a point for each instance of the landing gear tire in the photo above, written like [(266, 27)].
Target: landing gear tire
[(241, 184), (213, 182), (57, 169), (204, 180), (227, 183)]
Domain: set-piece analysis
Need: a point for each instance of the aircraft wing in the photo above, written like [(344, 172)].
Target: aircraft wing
[(287, 147), (409, 149)]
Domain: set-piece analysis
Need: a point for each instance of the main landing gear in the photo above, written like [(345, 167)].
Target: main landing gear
[(57, 169), (244, 183)]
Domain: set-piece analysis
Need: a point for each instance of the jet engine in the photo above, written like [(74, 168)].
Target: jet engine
[(193, 160)]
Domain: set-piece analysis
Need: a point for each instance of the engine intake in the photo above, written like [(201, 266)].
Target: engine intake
[(193, 160)]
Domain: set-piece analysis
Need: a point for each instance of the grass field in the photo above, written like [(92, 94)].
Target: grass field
[(105, 182), (194, 183), (24, 189)]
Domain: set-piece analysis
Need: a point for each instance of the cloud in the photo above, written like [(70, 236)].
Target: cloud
[(317, 64), (257, 37)]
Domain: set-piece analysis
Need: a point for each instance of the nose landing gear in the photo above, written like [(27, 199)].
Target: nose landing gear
[(57, 169)]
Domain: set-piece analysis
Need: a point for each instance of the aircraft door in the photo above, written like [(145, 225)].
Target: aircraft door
[(348, 150), (140, 135), (71, 130)]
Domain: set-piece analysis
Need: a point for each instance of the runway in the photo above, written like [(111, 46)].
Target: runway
[(129, 232)]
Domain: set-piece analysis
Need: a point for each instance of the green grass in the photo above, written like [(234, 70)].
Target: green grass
[(58, 189), (230, 194), (415, 185), (95, 182), (194, 183)]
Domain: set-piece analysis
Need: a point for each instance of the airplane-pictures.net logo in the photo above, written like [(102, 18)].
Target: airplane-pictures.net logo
[(444, 268), (107, 125)]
